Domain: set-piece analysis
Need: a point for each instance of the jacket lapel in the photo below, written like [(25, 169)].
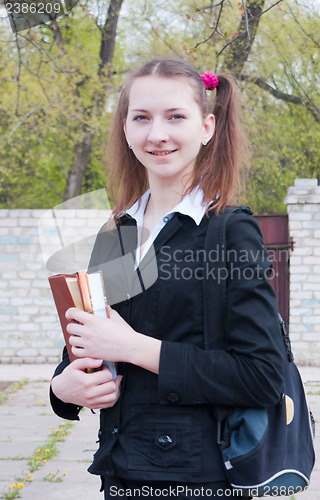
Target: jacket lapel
[(167, 233)]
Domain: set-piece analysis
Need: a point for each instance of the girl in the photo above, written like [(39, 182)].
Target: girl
[(174, 164)]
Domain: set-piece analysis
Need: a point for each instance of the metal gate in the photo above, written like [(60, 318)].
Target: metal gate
[(276, 237)]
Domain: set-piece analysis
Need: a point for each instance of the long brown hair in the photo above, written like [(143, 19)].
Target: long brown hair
[(217, 164)]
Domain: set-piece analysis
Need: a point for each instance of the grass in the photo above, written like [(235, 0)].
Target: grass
[(40, 456), (55, 478), (48, 449), (14, 491), (11, 389)]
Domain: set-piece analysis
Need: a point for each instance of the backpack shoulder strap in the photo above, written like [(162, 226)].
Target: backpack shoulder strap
[(215, 293)]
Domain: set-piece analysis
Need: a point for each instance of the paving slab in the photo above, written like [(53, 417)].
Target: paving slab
[(27, 421), (74, 457)]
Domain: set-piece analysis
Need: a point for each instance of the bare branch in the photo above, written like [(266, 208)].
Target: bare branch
[(46, 181), (44, 52), (158, 33), (250, 20), (209, 7), (215, 29), (308, 102), (308, 35), (16, 126), (245, 15), (294, 99), (239, 35), (18, 74), (271, 7)]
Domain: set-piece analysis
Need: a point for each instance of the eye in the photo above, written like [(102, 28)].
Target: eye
[(140, 118), (177, 117)]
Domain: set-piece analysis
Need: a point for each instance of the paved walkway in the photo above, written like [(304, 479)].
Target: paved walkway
[(27, 422)]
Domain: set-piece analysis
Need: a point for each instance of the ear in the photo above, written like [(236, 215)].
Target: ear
[(209, 125), (125, 130), (126, 136)]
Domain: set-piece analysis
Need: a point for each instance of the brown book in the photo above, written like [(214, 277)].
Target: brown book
[(66, 293), (84, 291)]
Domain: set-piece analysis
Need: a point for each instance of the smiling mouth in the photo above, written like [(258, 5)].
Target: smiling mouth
[(161, 153)]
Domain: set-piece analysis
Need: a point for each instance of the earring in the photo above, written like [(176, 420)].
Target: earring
[(129, 146), (205, 142)]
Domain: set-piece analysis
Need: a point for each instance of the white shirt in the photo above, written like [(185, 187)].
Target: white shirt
[(191, 205)]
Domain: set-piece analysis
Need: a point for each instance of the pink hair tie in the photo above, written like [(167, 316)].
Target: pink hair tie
[(210, 81)]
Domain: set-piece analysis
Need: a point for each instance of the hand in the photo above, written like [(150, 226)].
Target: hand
[(97, 337), (94, 390), (112, 339)]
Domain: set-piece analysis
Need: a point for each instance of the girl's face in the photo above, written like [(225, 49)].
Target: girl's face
[(165, 127)]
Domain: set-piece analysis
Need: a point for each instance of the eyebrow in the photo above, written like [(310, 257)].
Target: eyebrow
[(170, 110)]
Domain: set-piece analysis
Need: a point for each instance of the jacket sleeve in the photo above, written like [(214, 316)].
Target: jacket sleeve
[(63, 410), (249, 372)]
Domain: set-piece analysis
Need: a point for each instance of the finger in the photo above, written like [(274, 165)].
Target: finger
[(105, 387), (103, 376), (76, 341), (74, 328), (78, 351), (103, 402), (84, 363), (76, 314), (106, 372), (118, 381), (106, 395)]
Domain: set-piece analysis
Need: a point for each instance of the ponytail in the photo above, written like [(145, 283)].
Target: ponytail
[(219, 162)]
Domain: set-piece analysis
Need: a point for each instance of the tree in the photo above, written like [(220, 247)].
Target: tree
[(59, 84), (278, 64), (284, 117), (83, 147)]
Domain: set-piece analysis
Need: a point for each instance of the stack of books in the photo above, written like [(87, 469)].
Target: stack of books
[(86, 292)]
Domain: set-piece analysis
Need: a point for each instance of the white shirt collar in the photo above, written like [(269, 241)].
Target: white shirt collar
[(191, 205)]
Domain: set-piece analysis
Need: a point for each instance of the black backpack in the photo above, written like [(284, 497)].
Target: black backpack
[(264, 451)]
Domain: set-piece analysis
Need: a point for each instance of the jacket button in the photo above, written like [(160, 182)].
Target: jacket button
[(115, 432), (164, 441), (173, 397)]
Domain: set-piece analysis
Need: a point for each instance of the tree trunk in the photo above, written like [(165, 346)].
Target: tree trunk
[(108, 35), (83, 148), (241, 45), (82, 151)]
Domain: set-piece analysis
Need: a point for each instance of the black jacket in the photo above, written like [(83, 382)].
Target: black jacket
[(162, 427)]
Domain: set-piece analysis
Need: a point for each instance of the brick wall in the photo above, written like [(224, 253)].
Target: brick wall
[(29, 326), (303, 205)]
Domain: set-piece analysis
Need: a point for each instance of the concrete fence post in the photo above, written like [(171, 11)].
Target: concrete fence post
[(303, 205)]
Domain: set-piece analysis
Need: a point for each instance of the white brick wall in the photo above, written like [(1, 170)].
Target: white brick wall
[(303, 204), (29, 326)]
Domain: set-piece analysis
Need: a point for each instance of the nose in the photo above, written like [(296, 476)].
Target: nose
[(158, 131)]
